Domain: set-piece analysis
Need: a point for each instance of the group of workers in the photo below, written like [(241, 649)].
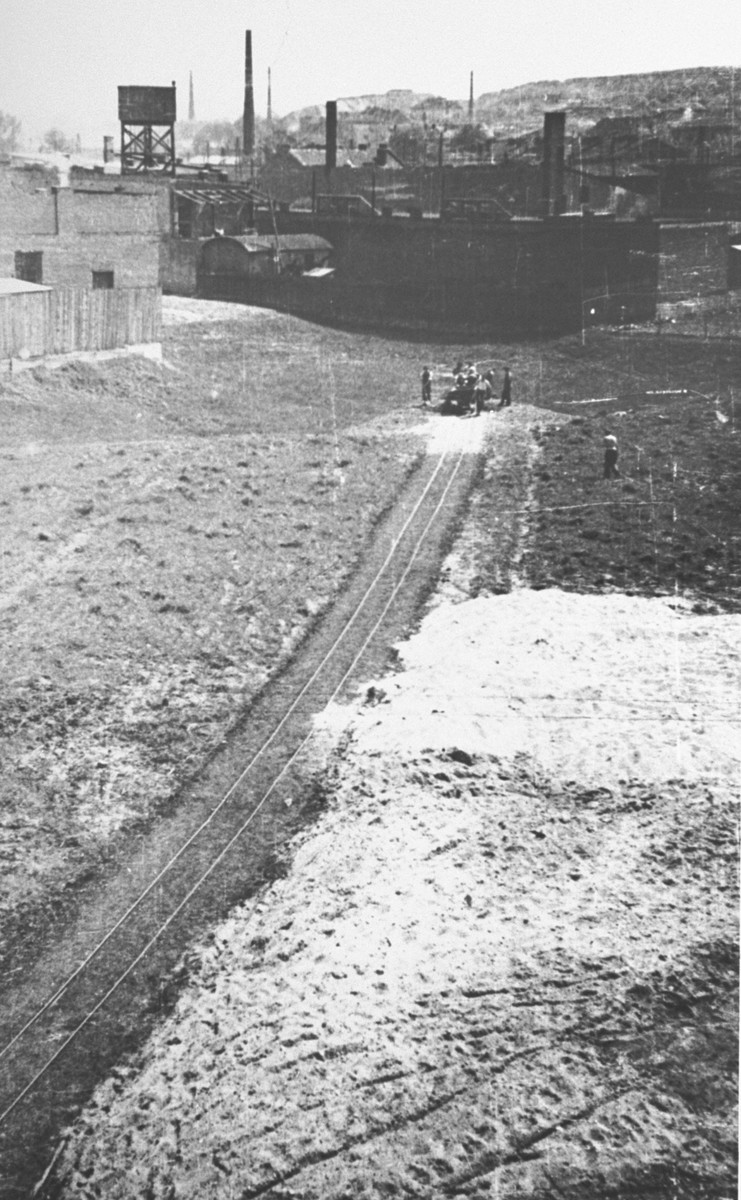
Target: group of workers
[(475, 388)]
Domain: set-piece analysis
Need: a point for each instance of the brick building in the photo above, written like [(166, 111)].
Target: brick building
[(93, 242), (95, 232)]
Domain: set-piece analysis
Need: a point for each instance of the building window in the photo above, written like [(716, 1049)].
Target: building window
[(102, 279), (28, 266)]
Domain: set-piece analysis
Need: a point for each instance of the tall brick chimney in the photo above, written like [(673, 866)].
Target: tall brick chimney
[(554, 128), (330, 135), (248, 119)]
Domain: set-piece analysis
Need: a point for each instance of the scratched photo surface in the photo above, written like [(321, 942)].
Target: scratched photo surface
[(370, 600)]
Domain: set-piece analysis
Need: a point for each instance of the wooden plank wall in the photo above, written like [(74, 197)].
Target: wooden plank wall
[(24, 322), (68, 319)]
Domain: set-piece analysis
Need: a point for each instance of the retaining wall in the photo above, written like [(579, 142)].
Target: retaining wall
[(517, 277)]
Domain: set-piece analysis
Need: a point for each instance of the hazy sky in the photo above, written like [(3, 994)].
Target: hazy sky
[(61, 60)]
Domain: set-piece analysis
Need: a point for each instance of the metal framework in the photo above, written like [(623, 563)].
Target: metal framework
[(147, 149), (222, 193), (227, 203)]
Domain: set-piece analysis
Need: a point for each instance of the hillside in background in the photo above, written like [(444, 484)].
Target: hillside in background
[(665, 97), (701, 93)]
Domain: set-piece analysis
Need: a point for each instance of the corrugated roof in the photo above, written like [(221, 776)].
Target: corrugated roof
[(12, 287)]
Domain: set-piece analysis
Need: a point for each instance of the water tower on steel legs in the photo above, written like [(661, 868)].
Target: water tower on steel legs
[(147, 117)]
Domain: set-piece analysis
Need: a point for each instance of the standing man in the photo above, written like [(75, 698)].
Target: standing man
[(426, 387), (481, 394), (609, 441), (506, 389)]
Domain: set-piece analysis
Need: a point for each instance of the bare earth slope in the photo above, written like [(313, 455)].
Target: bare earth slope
[(168, 535), (503, 961)]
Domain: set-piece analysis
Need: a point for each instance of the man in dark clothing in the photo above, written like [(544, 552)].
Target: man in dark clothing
[(609, 441), (506, 389), (426, 387)]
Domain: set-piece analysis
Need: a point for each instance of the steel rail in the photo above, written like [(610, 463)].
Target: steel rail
[(215, 862), (232, 788)]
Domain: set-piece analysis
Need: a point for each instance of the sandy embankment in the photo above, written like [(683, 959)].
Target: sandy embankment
[(497, 970)]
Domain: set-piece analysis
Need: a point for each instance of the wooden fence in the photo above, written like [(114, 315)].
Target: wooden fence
[(63, 320)]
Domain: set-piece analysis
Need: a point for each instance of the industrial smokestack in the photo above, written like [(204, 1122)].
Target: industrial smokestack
[(248, 119), (470, 102), (270, 98), (554, 127), (331, 135), (191, 101)]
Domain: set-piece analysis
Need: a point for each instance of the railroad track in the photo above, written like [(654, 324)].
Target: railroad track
[(94, 987)]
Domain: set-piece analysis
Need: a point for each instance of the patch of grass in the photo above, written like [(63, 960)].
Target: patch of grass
[(669, 523)]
